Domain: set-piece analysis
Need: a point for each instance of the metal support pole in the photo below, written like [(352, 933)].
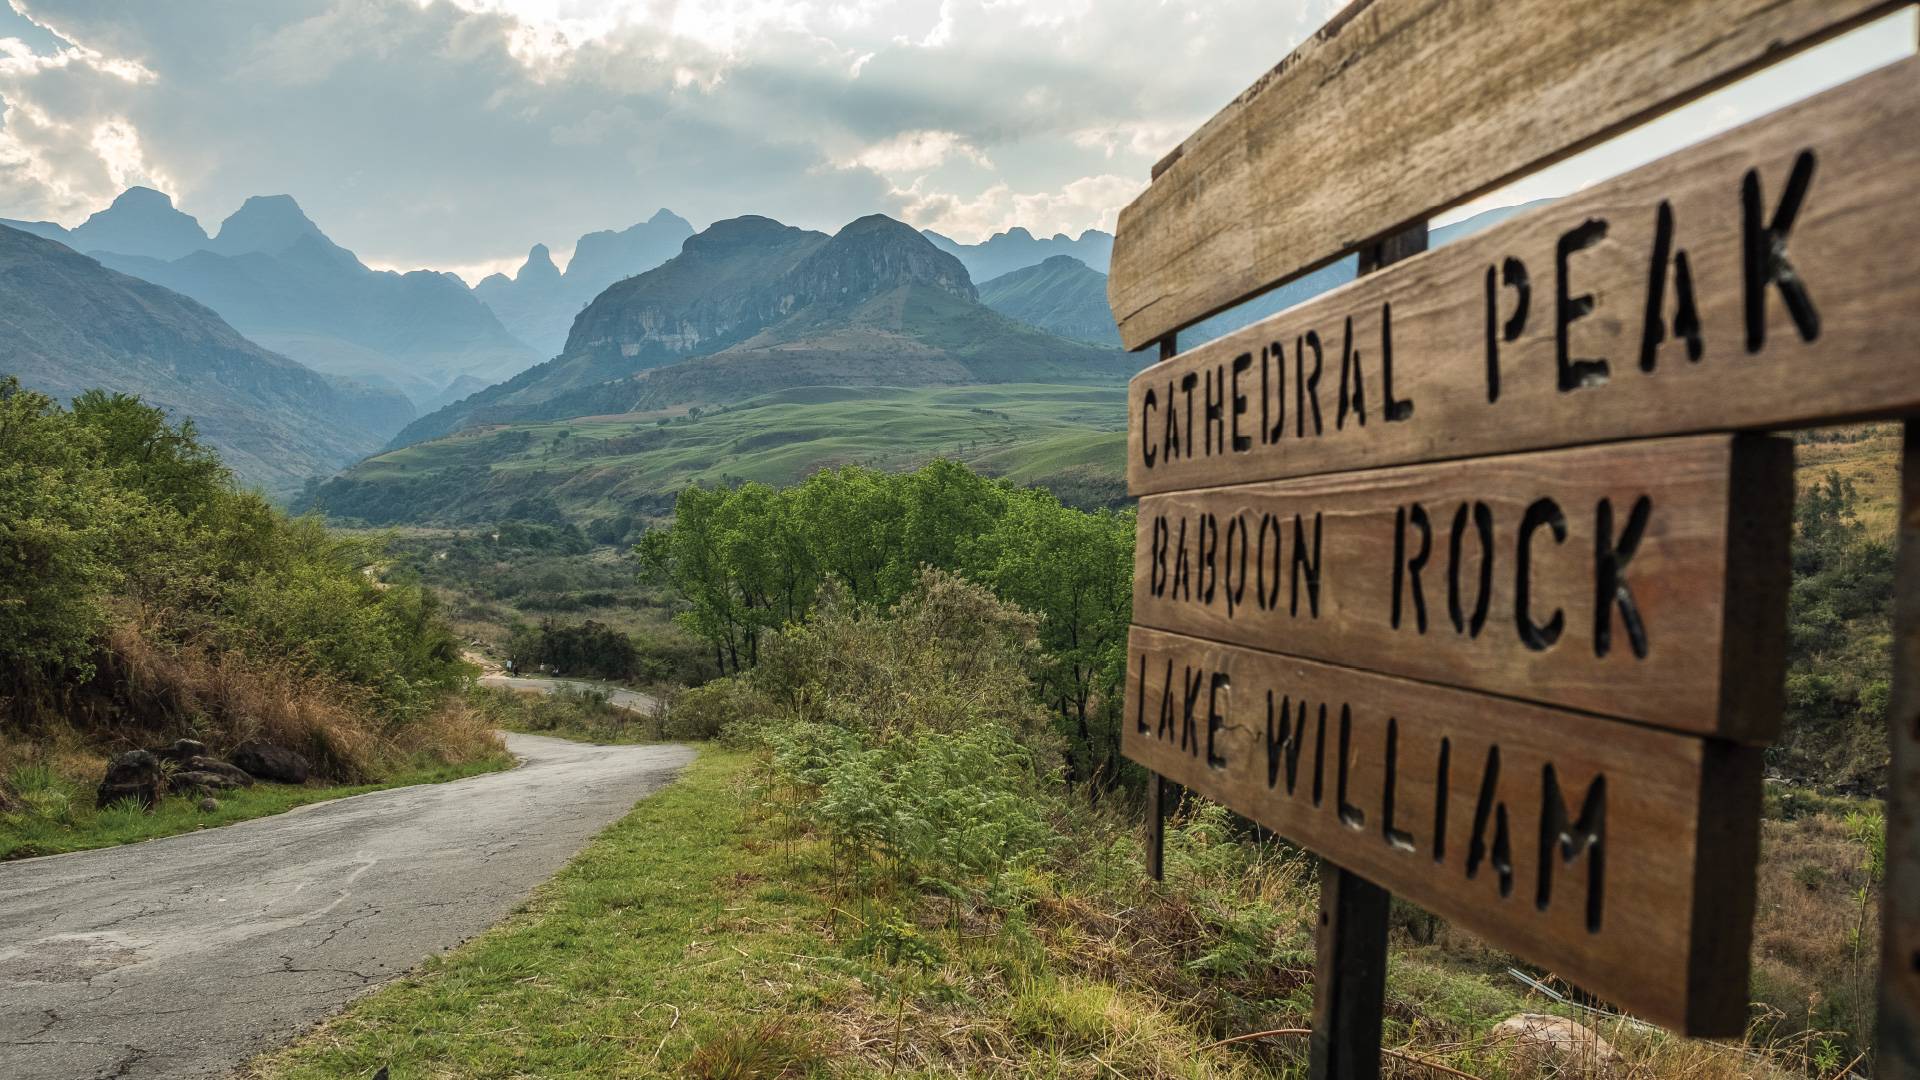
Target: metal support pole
[(1897, 1041)]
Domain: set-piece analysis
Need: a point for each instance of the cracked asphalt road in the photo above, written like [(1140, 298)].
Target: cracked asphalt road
[(185, 956)]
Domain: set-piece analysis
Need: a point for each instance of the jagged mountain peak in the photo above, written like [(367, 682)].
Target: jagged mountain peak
[(140, 221), (539, 266), (266, 223)]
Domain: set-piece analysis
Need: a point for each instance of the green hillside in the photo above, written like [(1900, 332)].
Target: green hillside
[(1064, 437)]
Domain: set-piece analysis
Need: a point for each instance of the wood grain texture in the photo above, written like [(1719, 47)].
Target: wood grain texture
[(1249, 407), (1619, 856), (1404, 107), (1655, 575)]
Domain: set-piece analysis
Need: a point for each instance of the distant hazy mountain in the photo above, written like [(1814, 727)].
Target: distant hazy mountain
[(1003, 253), (760, 306), (1061, 296), (277, 278), (141, 221), (538, 303), (1066, 297), (69, 324)]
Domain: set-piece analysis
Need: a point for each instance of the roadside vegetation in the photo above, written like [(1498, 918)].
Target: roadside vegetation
[(880, 870), (148, 598)]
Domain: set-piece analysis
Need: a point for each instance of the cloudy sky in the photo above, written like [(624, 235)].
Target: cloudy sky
[(456, 133)]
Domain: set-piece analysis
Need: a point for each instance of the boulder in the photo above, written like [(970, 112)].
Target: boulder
[(239, 777), (209, 804), (180, 751), (265, 761), (133, 775), (1541, 1041), (193, 780)]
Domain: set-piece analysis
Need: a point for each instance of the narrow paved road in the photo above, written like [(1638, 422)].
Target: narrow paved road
[(626, 699), (187, 955)]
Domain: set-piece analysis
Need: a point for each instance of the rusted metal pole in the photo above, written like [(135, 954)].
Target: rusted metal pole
[(1350, 973), (1897, 1042)]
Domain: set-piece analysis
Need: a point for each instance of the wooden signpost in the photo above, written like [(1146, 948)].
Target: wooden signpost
[(1470, 576)]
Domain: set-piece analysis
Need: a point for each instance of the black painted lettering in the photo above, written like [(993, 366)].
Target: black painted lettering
[(1284, 743), (1216, 719), (1241, 443), (1574, 374), (1187, 383), (1514, 275), (1573, 838), (1182, 572), (1483, 529), (1157, 558), (1442, 777), (1148, 402), (1304, 567), (1686, 318), (1216, 420), (1398, 839), (1273, 407), (1489, 808), (1356, 398), (1266, 567), (1208, 557), (1350, 815), (1406, 570), (1171, 440), (1191, 681), (1610, 586), (1396, 409), (1306, 388), (1536, 636), (1236, 588), (1765, 249)]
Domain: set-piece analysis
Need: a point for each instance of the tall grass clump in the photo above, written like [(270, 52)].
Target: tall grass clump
[(145, 596)]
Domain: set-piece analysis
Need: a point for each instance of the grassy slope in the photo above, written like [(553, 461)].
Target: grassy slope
[(76, 826), (695, 938), (594, 466), (1869, 456)]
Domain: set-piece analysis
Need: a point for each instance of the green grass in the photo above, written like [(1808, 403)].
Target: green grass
[(58, 816), (601, 466), (659, 942)]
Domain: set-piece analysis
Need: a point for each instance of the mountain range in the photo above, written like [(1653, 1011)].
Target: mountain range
[(538, 303), (69, 324), (1005, 252), (274, 276), (751, 306)]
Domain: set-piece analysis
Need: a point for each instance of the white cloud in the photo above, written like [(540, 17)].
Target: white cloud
[(459, 132)]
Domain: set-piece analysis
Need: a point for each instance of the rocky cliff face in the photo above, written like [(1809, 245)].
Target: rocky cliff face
[(725, 284)]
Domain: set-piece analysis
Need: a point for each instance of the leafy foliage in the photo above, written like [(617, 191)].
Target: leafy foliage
[(751, 559), (110, 513), (1840, 636)]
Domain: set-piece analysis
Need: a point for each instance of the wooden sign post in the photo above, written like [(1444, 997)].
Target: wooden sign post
[(1471, 576)]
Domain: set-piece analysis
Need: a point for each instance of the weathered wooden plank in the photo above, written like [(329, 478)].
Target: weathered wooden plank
[(1350, 965), (1776, 261), (1898, 1035), (1403, 107), (1645, 580), (1618, 855)]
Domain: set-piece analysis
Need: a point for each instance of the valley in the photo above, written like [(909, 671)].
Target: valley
[(585, 469)]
